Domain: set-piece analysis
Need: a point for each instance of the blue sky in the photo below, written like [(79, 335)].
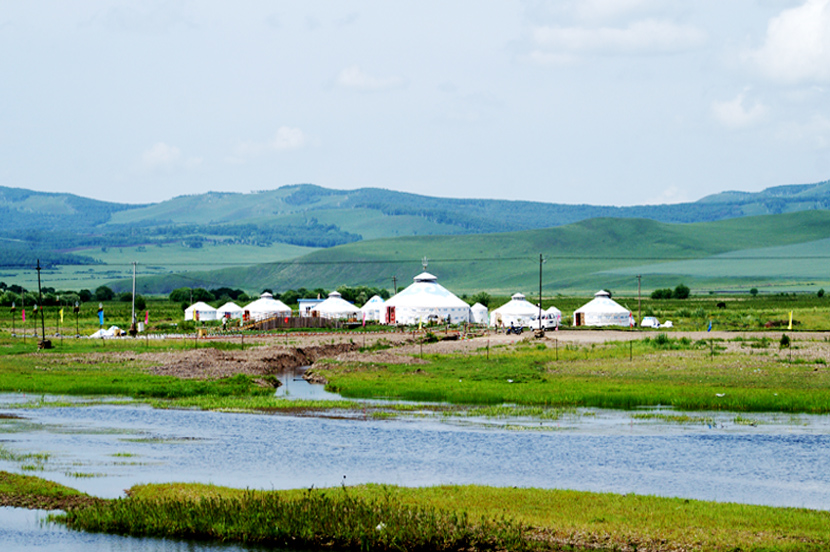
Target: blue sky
[(593, 101)]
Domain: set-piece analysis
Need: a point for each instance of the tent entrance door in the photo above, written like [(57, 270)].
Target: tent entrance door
[(580, 319), (390, 315)]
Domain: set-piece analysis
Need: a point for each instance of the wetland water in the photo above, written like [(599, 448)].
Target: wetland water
[(105, 449)]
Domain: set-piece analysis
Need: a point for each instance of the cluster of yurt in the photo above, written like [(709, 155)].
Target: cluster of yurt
[(424, 301)]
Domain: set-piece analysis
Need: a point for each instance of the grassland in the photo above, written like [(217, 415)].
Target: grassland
[(382, 517), (581, 258)]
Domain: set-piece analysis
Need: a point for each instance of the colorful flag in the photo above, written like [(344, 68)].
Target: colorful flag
[(790, 327), (61, 316), (24, 313), (101, 316), (146, 317), (364, 319), (710, 326)]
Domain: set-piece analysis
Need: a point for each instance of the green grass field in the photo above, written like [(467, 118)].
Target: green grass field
[(581, 258)]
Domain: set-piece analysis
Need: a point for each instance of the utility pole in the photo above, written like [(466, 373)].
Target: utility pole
[(44, 343), (395, 284), (541, 262), (639, 310), (133, 328)]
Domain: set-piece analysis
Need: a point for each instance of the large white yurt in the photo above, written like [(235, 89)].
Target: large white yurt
[(266, 307), (373, 309), (200, 311), (602, 311), (516, 312), (423, 301), (229, 309), (335, 308), (478, 314)]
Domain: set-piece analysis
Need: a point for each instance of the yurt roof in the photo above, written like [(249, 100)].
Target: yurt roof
[(553, 310), (373, 303), (602, 302), (426, 292), (201, 307), (267, 304), (335, 304), (518, 305), (230, 306), (478, 307)]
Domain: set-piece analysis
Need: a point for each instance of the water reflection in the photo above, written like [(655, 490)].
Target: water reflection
[(105, 449), (27, 531)]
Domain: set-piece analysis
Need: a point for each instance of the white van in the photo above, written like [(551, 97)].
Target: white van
[(549, 321)]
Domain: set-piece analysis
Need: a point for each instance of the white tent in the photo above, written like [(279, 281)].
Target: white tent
[(373, 308), (335, 307), (265, 307), (200, 311), (556, 314), (602, 311), (478, 314), (231, 309), (425, 300), (517, 312)]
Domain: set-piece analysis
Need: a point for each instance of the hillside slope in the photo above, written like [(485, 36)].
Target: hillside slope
[(579, 257)]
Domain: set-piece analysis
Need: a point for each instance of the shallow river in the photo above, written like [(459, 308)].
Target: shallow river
[(104, 449)]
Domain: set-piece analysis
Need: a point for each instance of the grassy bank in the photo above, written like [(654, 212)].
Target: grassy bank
[(741, 376), (381, 517)]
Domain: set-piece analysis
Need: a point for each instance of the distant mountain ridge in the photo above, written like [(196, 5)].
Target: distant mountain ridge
[(57, 225)]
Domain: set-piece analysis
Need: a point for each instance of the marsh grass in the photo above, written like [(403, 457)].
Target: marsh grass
[(332, 519), (663, 371), (574, 520)]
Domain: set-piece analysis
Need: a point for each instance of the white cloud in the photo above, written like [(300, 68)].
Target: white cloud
[(286, 138), (814, 133), (650, 36), (354, 77), (797, 44), (737, 113), (161, 156), (601, 9)]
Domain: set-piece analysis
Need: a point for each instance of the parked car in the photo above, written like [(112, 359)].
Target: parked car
[(649, 322), (549, 321)]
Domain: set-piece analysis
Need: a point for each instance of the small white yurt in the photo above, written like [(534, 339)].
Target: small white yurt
[(335, 308), (556, 314), (373, 309), (516, 312), (200, 311), (265, 307), (602, 311), (229, 309), (479, 314), (423, 301)]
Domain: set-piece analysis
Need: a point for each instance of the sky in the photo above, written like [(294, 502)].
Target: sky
[(613, 102)]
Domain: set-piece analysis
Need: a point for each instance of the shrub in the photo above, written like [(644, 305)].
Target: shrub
[(103, 293), (820, 292), (753, 292), (682, 291), (785, 341)]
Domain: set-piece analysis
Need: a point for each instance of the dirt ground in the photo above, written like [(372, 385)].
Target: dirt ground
[(274, 355)]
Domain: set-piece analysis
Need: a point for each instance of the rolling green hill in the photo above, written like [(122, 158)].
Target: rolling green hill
[(580, 257)]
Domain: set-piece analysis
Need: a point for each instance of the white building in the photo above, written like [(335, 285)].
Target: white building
[(479, 314), (229, 309), (335, 308), (602, 311), (200, 311), (425, 300), (517, 312), (265, 307), (373, 309)]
